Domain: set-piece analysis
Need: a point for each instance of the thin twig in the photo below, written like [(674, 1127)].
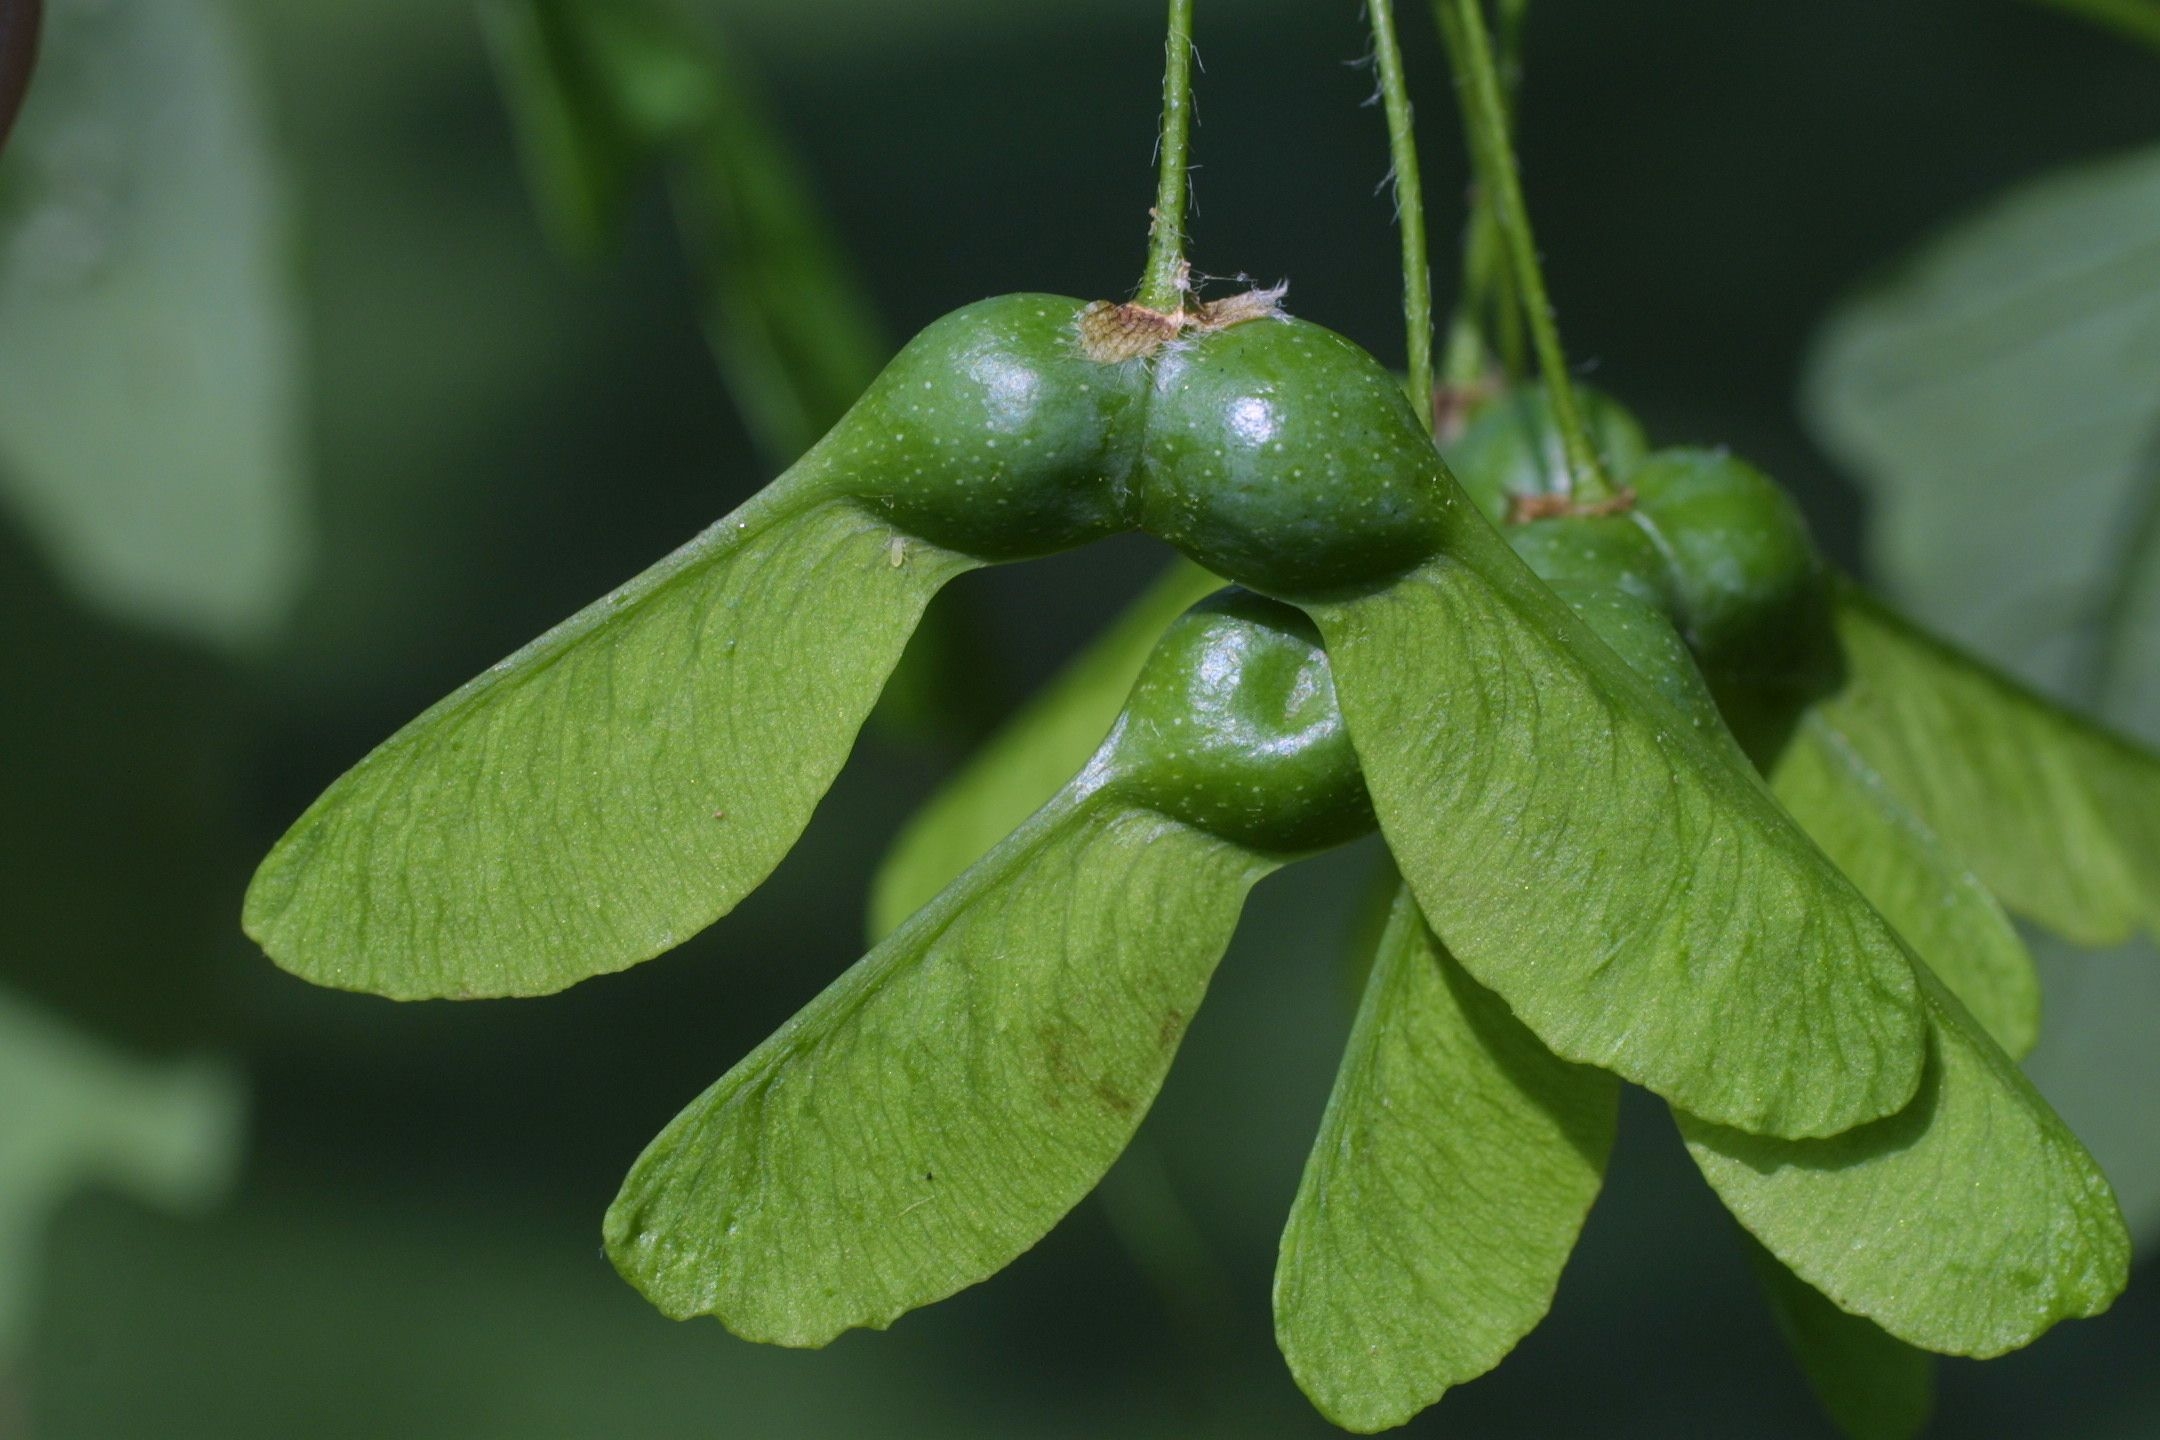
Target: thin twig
[(1485, 118)]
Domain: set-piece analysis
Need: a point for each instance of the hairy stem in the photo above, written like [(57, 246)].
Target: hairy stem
[(1409, 208), (1484, 108), (1162, 285)]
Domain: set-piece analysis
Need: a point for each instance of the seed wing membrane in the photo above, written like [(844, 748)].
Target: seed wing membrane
[(1967, 1224), (615, 786), (939, 1108), (1453, 1170), (2060, 818), (1623, 880)]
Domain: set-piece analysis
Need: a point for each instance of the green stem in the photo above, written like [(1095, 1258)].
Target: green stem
[(1507, 309), (1162, 285), (2138, 19), (1409, 208), (1477, 81), (1486, 329)]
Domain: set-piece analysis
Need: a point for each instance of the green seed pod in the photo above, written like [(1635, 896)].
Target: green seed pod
[(1512, 449), (1750, 586), (1233, 727), (1283, 456), (1612, 573), (991, 434), (1604, 551)]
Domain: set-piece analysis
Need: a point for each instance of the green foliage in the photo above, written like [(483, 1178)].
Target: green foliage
[(1548, 767), (2097, 1065), (1452, 1173), (2060, 818), (1999, 396), (2003, 1224), (618, 784), (592, 92), (1023, 765), (606, 93), (1625, 884), (1537, 717), (932, 1115), (1906, 872), (624, 780), (1921, 887), (19, 27), (936, 1111), (1996, 398), (570, 813), (152, 414)]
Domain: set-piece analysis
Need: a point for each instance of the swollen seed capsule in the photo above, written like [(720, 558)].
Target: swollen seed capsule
[(1233, 727), (1750, 587), (1734, 566), (1512, 448), (1606, 551), (1281, 455), (990, 433)]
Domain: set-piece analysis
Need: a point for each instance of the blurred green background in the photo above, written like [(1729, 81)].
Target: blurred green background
[(360, 432)]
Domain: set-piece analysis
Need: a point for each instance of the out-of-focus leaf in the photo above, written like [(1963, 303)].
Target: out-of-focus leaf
[(75, 1112), (1968, 1224), (1996, 398), (947, 687), (151, 368), (607, 91), (1023, 765), (2000, 399), (1454, 1168), (584, 157), (2059, 818), (2098, 1065), (938, 1109), (1624, 882), (1874, 1385), (786, 313), (618, 784), (416, 1312), (1936, 903)]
